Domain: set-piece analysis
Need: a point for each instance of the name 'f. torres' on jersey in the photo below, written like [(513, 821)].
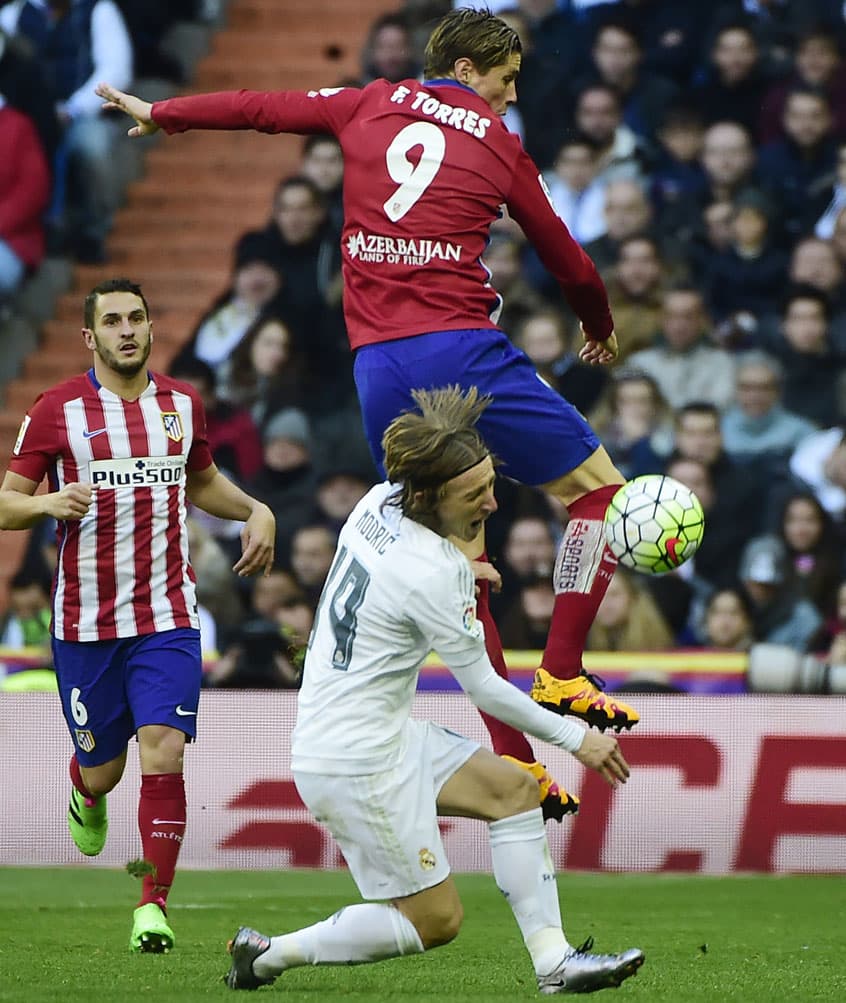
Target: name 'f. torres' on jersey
[(427, 168), (123, 569)]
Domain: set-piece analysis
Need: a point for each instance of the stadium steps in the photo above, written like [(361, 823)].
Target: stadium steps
[(176, 232)]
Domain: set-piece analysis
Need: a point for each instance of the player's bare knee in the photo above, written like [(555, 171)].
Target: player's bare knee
[(440, 926), (520, 794)]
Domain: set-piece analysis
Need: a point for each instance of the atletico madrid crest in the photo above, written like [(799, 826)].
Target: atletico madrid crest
[(172, 425)]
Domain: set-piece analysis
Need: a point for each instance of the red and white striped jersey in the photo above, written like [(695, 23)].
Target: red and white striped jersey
[(123, 570)]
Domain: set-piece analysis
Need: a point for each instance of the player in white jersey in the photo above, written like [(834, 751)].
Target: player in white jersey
[(376, 777), (123, 448)]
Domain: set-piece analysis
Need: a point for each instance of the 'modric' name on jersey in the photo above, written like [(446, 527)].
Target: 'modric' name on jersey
[(395, 591), (427, 168)]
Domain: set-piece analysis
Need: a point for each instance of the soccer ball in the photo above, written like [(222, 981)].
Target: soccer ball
[(654, 524)]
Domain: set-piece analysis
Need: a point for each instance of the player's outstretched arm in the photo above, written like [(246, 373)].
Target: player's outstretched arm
[(212, 492), (141, 111), (599, 352), (21, 508), (603, 753)]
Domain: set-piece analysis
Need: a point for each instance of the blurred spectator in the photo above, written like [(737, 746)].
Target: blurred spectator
[(264, 373), (286, 481), (677, 171), (814, 550), (628, 619), (24, 194), (23, 83), (734, 83), (634, 423), (576, 194), (256, 282), (528, 554), (323, 163), (312, 553), (259, 655), (78, 43), (683, 362), (832, 200), (778, 24), (232, 434), (524, 625), (818, 62), (305, 248), (27, 620), (739, 495), (728, 161), (148, 21), (519, 299), (714, 565), (815, 262), (388, 51), (749, 274), (819, 462), (216, 584), (727, 622), (813, 367), (670, 33), (545, 338), (636, 286), (542, 110), (832, 638), (598, 115), (628, 213), (780, 615), (338, 492), (795, 169), (758, 426), (617, 62)]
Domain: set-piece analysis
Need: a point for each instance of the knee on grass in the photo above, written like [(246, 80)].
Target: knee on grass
[(439, 926)]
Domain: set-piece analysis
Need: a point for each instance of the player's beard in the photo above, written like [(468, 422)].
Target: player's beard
[(121, 366)]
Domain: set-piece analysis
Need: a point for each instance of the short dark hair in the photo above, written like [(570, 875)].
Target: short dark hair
[(697, 407), (805, 291), (316, 139), (299, 181), (119, 285), (477, 35), (189, 367)]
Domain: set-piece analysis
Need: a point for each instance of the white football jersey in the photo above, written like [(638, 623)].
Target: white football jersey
[(396, 591)]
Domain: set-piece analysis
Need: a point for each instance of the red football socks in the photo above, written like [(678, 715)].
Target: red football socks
[(161, 821), (583, 568), (76, 779), (506, 741)]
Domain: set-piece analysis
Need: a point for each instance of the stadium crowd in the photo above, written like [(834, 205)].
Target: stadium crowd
[(696, 151)]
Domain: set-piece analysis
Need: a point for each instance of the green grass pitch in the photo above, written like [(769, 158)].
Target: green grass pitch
[(64, 933)]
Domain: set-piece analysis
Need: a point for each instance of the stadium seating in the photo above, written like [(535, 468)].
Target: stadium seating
[(199, 192)]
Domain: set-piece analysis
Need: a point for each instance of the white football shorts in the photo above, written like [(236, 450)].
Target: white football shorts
[(386, 823)]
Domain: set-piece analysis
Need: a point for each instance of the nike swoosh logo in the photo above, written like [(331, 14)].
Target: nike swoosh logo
[(168, 821), (90, 435), (184, 713)]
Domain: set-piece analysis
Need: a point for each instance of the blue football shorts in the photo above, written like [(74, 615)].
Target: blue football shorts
[(110, 689), (536, 434)]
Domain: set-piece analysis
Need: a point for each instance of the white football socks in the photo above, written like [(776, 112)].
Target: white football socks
[(524, 873), (355, 935)]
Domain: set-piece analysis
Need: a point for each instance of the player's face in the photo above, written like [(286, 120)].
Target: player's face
[(499, 85), (122, 334), (467, 501)]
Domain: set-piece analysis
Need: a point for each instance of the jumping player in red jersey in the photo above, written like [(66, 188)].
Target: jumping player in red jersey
[(122, 449), (427, 168)]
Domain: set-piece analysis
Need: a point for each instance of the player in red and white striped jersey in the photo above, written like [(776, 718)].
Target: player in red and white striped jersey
[(124, 450)]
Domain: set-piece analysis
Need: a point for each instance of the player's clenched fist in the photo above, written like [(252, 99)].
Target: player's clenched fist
[(72, 502), (603, 754)]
